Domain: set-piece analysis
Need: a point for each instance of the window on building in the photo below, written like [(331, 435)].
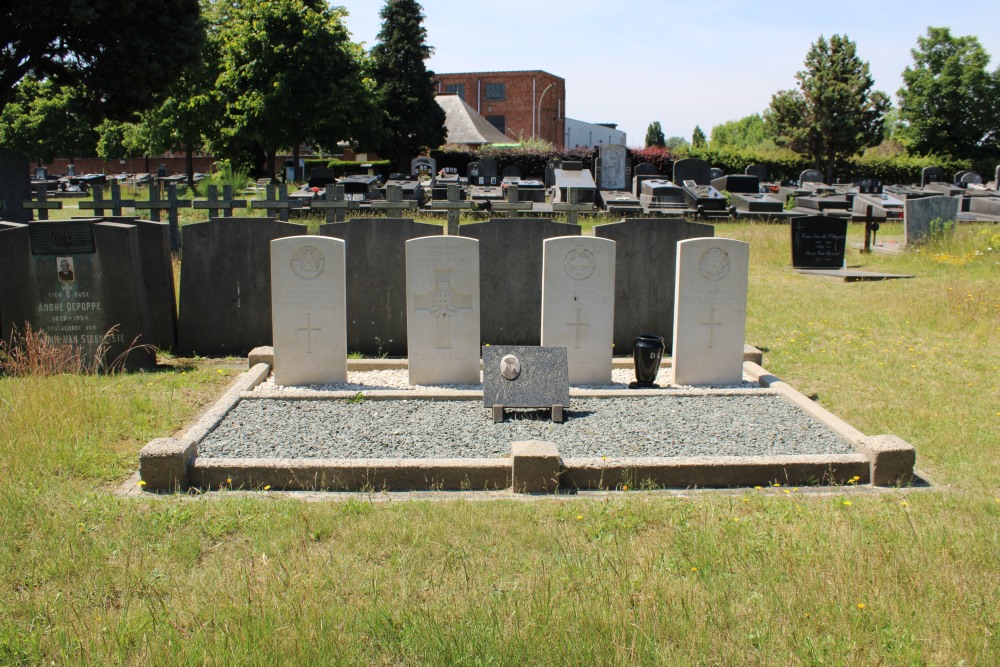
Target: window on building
[(499, 122), (457, 88), (495, 91)]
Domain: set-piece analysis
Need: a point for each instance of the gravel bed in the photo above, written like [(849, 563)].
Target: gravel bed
[(665, 426), (399, 379)]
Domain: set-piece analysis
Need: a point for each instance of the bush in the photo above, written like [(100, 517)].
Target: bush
[(348, 167)]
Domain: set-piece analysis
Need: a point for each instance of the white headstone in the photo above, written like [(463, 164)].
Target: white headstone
[(710, 311), (578, 304), (308, 310), (919, 215), (613, 159), (442, 310)]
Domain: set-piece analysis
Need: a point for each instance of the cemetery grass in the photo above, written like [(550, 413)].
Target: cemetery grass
[(778, 575)]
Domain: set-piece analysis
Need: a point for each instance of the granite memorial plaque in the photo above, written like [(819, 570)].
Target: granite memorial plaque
[(521, 376), (710, 310), (818, 242), (308, 310), (578, 304), (442, 315)]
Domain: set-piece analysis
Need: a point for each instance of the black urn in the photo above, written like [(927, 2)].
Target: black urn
[(647, 353)]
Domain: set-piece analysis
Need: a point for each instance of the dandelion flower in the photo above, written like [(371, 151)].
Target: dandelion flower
[(861, 605), (267, 487), (776, 484), (579, 517), (848, 503), (142, 482), (694, 569)]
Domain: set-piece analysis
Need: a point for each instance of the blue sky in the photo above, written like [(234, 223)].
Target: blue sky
[(682, 63)]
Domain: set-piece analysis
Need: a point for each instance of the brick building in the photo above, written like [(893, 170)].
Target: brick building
[(529, 104)]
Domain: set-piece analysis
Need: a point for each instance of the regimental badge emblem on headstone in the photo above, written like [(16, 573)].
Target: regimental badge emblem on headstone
[(714, 264), (307, 262), (579, 263)]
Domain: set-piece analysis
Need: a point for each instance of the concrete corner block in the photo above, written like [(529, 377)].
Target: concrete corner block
[(753, 355), (261, 355), (535, 466), (892, 459), (163, 464)]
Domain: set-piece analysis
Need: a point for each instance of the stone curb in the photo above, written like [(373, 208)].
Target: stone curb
[(477, 394), (164, 463), (892, 458)]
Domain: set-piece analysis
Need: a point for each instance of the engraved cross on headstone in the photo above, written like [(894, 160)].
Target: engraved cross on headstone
[(394, 203), (42, 205), (454, 205), (578, 324), (711, 324), (334, 203), (512, 205), (213, 204), (573, 208), (443, 303), (309, 328), (276, 203)]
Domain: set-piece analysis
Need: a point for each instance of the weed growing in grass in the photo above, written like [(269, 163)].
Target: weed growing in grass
[(35, 353)]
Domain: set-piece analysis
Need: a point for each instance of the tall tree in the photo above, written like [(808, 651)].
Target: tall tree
[(654, 135), (834, 113), (404, 86), (288, 76), (125, 51), (950, 102), (741, 133), (698, 137), (46, 120)]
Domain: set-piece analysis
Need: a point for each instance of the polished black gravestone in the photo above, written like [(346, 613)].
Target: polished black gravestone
[(510, 271), (692, 169), (645, 274), (80, 282), (818, 242), (376, 280), (225, 306)]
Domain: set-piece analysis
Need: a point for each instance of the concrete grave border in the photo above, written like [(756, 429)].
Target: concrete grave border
[(172, 464)]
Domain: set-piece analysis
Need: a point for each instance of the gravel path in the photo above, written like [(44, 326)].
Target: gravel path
[(617, 427)]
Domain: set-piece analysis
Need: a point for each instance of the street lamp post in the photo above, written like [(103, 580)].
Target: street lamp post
[(539, 119)]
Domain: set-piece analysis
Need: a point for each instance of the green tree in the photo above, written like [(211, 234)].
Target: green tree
[(698, 137), (950, 102), (675, 144), (288, 76), (742, 133), (654, 135), (125, 52), (46, 120), (404, 87), (834, 113)]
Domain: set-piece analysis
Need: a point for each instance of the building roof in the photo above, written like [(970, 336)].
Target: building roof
[(464, 125)]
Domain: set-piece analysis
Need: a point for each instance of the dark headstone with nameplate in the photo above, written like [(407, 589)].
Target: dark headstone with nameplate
[(867, 186), (81, 283), (818, 242)]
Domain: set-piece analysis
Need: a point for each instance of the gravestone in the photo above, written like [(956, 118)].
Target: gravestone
[(715, 173), (520, 376), (511, 171), (483, 172), (645, 270), (710, 310), (333, 203), (578, 304), (641, 172), (376, 280), (971, 178), (931, 175), (14, 187), (214, 205), (308, 310), (550, 171), (612, 160), (395, 202), (758, 170), (455, 204), (996, 178), (692, 169), (737, 183), (510, 269), (275, 203), (225, 296), (659, 193), (572, 176), (171, 205), (811, 176), (868, 186), (423, 167), (957, 178), (513, 205), (41, 203), (818, 242), (920, 216), (81, 282), (442, 312)]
